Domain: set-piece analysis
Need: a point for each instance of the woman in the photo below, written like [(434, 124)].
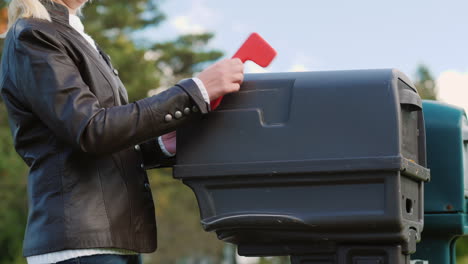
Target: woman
[(86, 146)]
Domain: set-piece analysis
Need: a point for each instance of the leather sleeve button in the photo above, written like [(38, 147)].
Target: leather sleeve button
[(178, 114), (168, 118), (142, 166), (147, 186), (187, 110), (195, 109), (137, 147), (116, 72)]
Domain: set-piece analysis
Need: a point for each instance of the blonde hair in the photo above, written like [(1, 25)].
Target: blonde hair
[(25, 9)]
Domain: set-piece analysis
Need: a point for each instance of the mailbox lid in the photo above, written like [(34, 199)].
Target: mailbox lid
[(349, 120), (446, 128)]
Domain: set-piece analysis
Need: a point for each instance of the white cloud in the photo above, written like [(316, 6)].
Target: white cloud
[(240, 28), (300, 62), (453, 88), (185, 25), (201, 10), (198, 18), (298, 68)]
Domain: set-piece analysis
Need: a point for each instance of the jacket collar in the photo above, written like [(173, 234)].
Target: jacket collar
[(60, 14), (57, 12)]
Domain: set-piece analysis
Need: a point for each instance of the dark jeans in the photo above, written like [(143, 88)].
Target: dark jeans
[(104, 259)]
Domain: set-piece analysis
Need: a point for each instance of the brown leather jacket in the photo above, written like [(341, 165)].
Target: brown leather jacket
[(73, 126)]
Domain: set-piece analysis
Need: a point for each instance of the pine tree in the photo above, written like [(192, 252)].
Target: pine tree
[(425, 83)]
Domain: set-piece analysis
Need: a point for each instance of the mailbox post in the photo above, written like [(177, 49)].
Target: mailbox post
[(445, 216), (327, 167)]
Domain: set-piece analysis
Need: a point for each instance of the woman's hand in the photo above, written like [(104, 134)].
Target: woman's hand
[(223, 77), (169, 141)]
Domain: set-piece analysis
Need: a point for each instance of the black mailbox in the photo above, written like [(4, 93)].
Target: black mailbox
[(325, 166)]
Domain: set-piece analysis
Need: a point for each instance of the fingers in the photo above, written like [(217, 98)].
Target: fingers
[(237, 71), (235, 87), (236, 60), (238, 78), (237, 65)]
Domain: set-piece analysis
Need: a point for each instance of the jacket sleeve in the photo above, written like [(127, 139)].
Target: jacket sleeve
[(153, 156), (55, 91)]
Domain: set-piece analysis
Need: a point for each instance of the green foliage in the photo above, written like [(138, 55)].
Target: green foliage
[(13, 210), (425, 83), (189, 54), (462, 250), (180, 235), (121, 16)]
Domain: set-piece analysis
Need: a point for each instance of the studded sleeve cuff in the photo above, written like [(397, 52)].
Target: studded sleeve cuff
[(205, 95), (193, 90), (182, 102)]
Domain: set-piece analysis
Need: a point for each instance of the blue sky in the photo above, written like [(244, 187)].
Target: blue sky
[(334, 35), (330, 35)]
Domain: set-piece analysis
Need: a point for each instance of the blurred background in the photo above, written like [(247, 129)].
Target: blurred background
[(155, 43)]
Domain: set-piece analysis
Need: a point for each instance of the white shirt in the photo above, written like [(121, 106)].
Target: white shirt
[(58, 256)]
